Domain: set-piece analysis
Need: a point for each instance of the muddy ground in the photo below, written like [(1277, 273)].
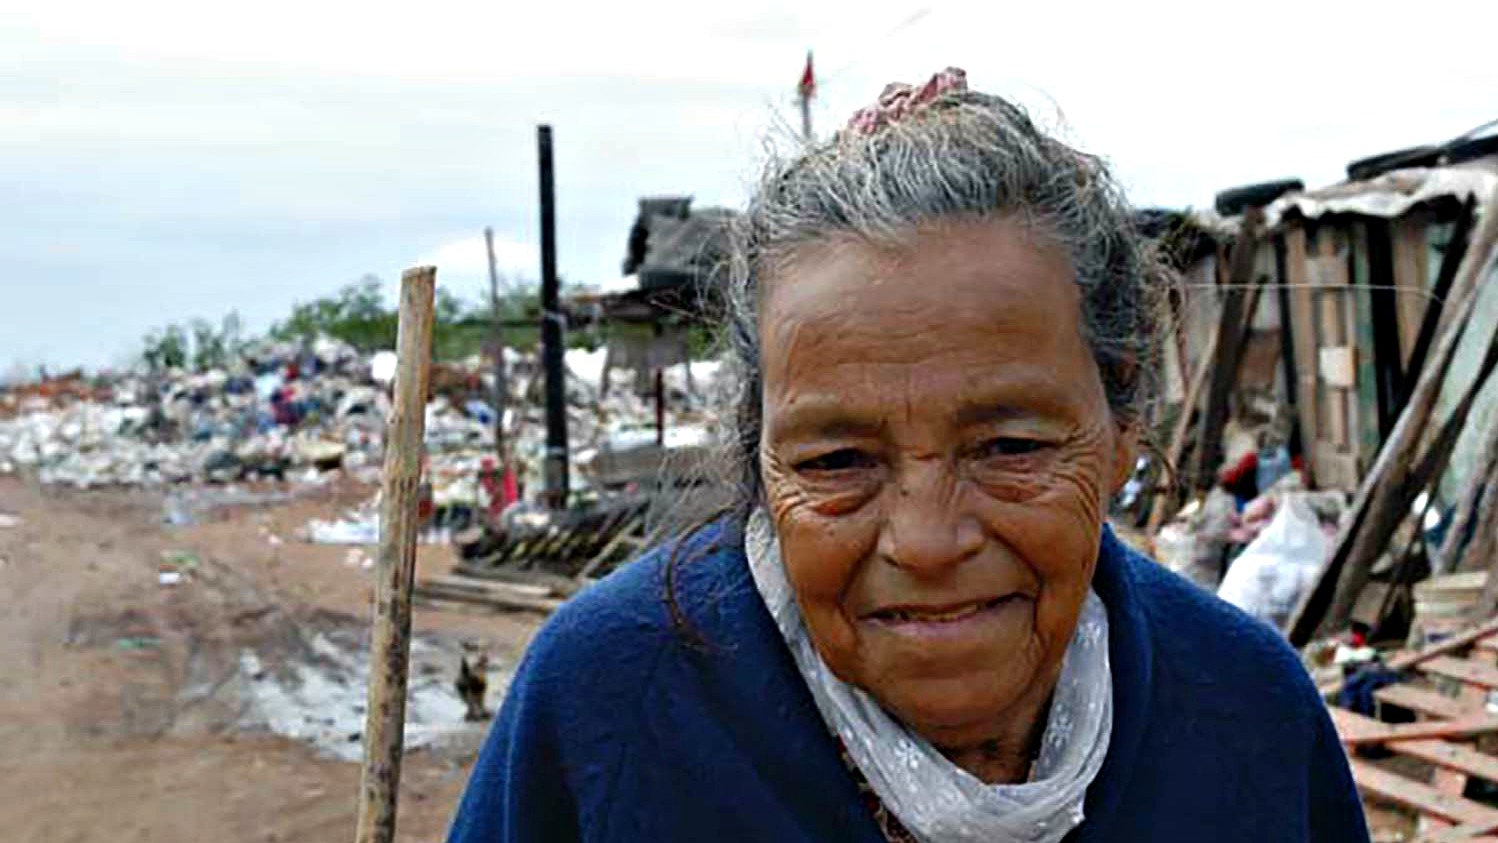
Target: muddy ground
[(221, 700)]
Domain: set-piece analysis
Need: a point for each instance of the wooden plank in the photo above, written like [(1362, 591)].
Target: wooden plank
[(1445, 778), (1463, 670), (1469, 833), (1424, 702), (1357, 730), (1331, 275), (1462, 759), (1411, 277), (557, 584), (1420, 797), (1485, 633), (494, 600), (528, 589), (1303, 330), (619, 539), (1366, 432)]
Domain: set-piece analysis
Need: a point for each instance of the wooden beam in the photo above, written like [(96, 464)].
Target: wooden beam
[(1423, 798), (1469, 833), (1356, 730), (1229, 351), (1483, 486), (1424, 702), (1303, 327), (1166, 495), (1462, 670)]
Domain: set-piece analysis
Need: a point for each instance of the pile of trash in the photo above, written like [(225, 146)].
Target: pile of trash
[(281, 411), (295, 412)]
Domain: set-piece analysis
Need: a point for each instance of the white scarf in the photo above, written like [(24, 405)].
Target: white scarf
[(933, 798)]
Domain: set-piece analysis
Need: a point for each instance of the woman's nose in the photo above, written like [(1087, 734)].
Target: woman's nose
[(925, 529)]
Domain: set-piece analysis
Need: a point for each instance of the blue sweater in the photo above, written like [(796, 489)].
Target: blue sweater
[(615, 728)]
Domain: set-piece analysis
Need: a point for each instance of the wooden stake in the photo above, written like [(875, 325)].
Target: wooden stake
[(501, 378), (1165, 498), (390, 642), (1238, 306)]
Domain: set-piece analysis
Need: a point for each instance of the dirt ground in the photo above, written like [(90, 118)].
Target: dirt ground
[(126, 705), (124, 700)]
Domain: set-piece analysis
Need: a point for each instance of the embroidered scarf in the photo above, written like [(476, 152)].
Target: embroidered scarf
[(937, 801)]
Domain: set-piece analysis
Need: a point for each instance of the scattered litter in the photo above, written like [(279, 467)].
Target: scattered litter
[(137, 642), (343, 532), (8, 521), (169, 577)]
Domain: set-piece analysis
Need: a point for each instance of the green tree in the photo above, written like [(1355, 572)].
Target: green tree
[(166, 349), (355, 314)]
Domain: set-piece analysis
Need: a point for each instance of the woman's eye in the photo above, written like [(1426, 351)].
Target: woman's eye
[(1009, 446), (844, 459)]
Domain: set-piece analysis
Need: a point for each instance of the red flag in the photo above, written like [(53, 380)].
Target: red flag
[(807, 87)]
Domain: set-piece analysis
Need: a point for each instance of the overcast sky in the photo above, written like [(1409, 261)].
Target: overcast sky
[(167, 160)]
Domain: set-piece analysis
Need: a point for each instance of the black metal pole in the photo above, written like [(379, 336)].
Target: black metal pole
[(551, 334)]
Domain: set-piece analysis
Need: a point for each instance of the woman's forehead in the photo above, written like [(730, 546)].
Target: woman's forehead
[(986, 320), (979, 290), (943, 270)]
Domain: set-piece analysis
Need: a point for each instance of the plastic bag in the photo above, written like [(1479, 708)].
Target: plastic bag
[(1270, 575)]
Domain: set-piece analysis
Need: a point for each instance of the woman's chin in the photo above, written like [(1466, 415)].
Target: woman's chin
[(949, 720)]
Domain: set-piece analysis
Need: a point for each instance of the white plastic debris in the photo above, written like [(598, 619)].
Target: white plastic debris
[(1269, 577), (382, 367)]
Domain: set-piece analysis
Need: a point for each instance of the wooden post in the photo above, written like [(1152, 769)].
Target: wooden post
[(501, 377), (1165, 498), (660, 388), (390, 640), (1237, 315)]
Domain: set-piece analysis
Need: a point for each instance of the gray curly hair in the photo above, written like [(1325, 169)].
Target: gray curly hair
[(965, 154)]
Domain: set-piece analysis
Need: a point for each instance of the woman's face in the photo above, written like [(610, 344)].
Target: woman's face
[(937, 455)]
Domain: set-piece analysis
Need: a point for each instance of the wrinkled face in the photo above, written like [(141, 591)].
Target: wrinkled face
[(937, 456)]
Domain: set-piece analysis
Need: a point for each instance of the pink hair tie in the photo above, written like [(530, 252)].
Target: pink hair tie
[(900, 100)]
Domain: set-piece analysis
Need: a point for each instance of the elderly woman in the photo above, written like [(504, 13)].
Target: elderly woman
[(914, 624)]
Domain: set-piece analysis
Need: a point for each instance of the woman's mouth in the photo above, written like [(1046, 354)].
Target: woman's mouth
[(938, 620)]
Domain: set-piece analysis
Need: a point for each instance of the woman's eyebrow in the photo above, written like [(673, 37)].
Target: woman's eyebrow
[(824, 418), (977, 413)]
